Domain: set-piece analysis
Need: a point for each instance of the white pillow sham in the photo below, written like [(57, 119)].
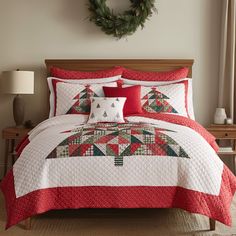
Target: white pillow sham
[(53, 98), (170, 98), (189, 96)]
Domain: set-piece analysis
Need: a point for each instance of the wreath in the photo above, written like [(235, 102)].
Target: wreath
[(120, 25)]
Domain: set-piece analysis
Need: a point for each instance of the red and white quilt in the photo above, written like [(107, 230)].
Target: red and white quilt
[(151, 161)]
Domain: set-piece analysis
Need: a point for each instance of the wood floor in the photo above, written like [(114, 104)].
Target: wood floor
[(110, 222)]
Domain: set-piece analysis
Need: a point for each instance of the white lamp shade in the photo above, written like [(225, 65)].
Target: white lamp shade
[(17, 82)]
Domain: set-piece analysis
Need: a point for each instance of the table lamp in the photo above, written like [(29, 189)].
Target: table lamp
[(18, 82)]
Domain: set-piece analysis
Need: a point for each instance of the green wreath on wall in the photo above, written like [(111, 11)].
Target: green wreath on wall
[(120, 25)]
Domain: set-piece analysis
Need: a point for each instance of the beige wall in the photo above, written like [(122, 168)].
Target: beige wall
[(32, 30)]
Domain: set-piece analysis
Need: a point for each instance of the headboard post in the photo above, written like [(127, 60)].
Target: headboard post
[(137, 64)]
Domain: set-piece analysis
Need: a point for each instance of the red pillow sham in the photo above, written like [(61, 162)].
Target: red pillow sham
[(133, 98), (70, 74), (155, 76)]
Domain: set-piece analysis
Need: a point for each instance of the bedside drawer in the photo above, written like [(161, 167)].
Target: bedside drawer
[(224, 134), (13, 135)]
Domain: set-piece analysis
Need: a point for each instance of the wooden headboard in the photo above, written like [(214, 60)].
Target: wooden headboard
[(137, 64)]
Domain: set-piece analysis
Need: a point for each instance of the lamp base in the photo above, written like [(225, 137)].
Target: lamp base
[(18, 110)]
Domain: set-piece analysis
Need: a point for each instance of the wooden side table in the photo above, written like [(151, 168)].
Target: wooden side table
[(225, 132), (11, 136)]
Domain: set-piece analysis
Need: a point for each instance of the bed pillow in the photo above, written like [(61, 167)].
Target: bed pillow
[(73, 98), (155, 76), (70, 74), (171, 98), (166, 98), (189, 94), (107, 110), (133, 98), (51, 85)]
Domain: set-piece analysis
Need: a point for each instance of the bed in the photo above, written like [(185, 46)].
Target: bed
[(150, 161)]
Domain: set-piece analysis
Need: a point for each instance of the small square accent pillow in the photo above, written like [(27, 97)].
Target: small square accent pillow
[(133, 95), (107, 110)]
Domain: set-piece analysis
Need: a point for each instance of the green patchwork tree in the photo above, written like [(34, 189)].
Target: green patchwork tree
[(82, 104), (155, 101)]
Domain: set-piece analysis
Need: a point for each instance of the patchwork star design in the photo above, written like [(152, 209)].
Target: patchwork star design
[(118, 140)]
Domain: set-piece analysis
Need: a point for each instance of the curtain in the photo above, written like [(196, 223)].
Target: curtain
[(227, 70)]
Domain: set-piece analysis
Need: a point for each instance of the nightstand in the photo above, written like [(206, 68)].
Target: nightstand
[(225, 132), (12, 135)]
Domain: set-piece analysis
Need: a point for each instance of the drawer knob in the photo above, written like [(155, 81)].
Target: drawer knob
[(17, 134), (226, 134)]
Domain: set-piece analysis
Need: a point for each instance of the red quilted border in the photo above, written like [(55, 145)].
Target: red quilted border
[(39, 201), (185, 82), (54, 87), (156, 76), (70, 74)]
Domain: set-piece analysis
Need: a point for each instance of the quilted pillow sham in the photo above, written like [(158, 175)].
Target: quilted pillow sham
[(107, 110), (51, 86), (188, 95), (70, 74), (171, 98), (133, 97), (155, 76), (74, 98)]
